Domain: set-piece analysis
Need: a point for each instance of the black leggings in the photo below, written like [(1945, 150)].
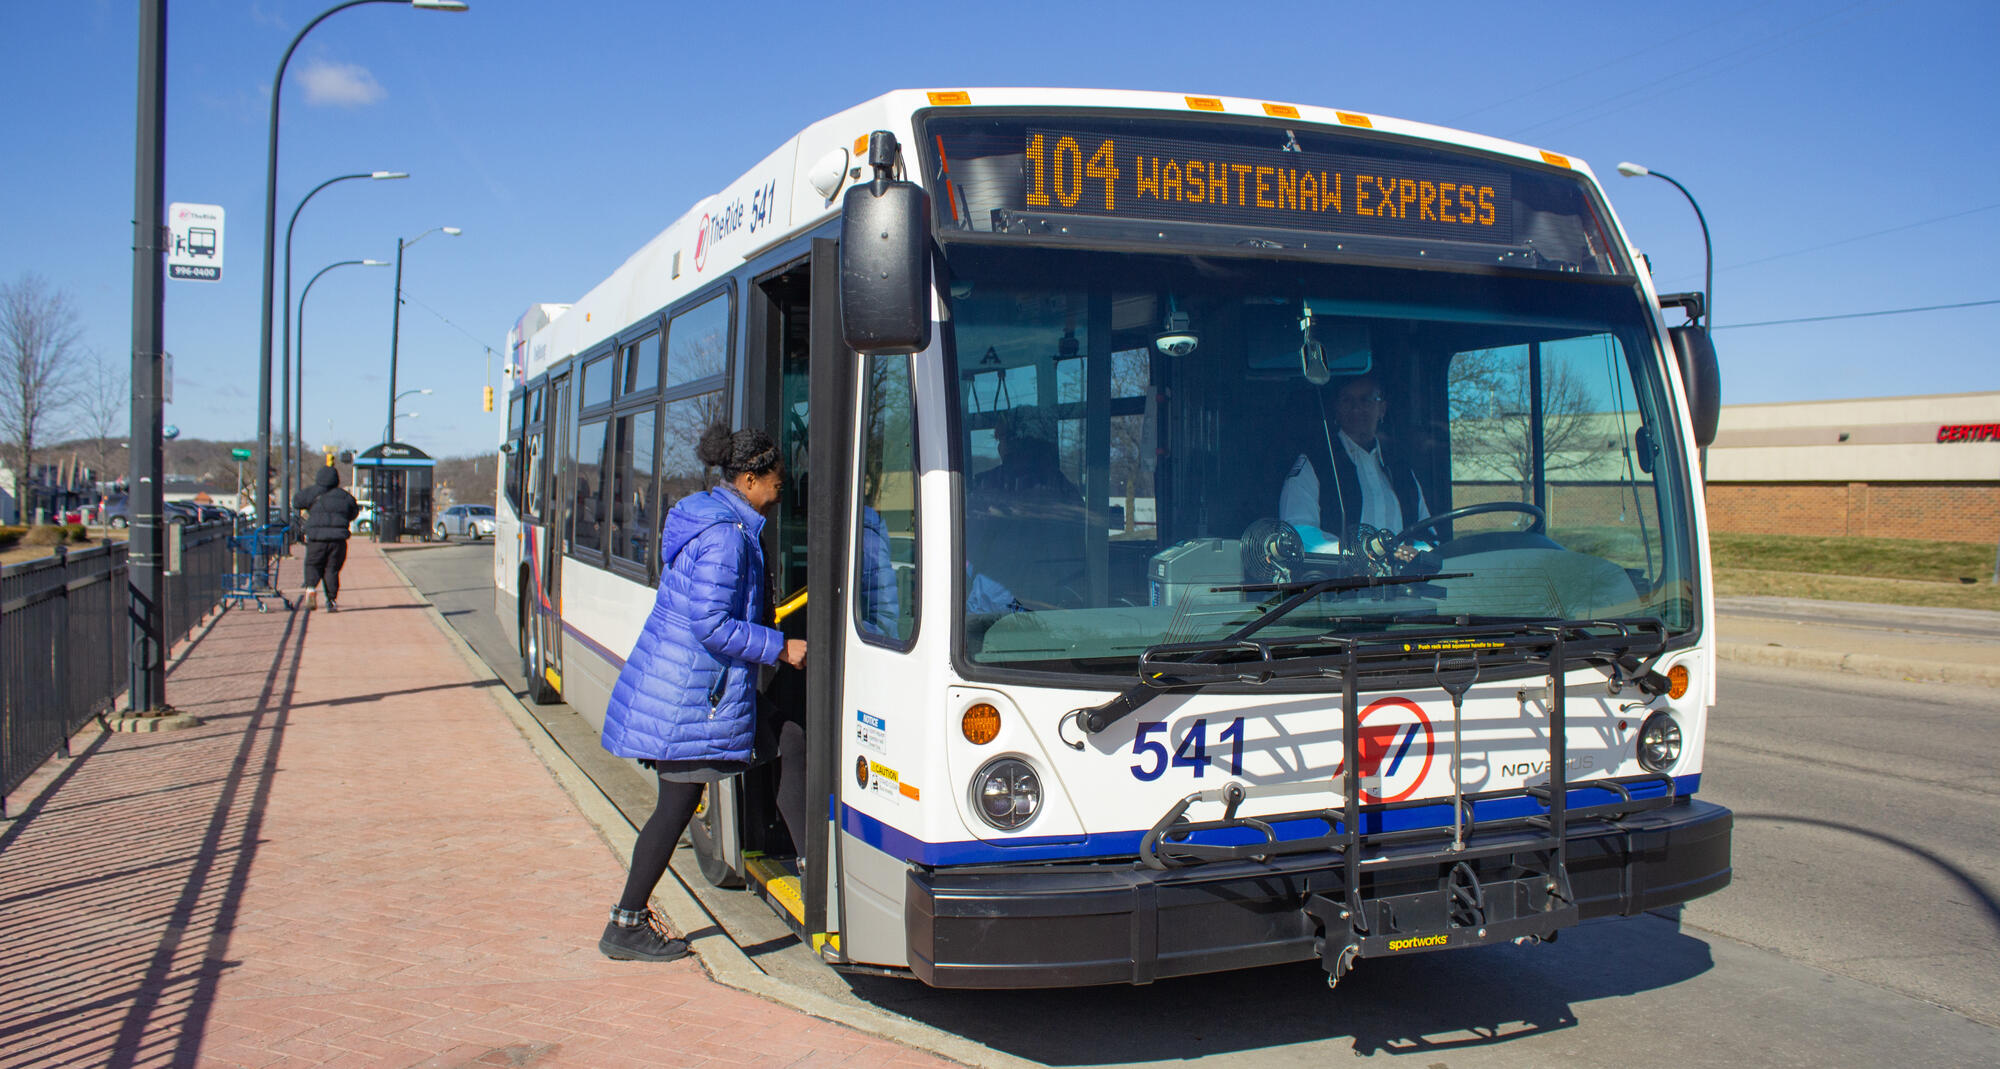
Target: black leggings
[(792, 782), (324, 559), (656, 841)]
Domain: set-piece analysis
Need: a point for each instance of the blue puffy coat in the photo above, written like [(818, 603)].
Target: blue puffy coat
[(688, 692)]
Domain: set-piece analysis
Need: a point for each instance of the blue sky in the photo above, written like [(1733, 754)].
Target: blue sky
[(1844, 153)]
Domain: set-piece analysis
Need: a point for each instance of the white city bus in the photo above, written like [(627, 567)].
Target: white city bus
[(1086, 703)]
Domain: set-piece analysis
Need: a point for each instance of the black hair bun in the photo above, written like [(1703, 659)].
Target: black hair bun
[(716, 447)]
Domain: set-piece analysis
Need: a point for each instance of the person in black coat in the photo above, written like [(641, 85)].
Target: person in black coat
[(329, 510)]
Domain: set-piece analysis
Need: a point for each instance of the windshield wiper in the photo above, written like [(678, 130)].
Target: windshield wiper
[(1129, 701)]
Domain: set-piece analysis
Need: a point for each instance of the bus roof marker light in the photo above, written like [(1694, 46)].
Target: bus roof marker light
[(1354, 118), (1554, 159), (1204, 103), (1281, 111), (956, 98)]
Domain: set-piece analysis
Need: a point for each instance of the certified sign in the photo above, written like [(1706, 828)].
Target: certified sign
[(194, 245)]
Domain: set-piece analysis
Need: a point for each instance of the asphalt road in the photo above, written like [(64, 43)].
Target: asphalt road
[(1863, 927)]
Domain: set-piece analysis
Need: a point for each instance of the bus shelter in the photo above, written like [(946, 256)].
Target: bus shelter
[(397, 478)]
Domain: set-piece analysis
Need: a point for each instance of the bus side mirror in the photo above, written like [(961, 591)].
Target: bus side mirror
[(885, 244), (1694, 351)]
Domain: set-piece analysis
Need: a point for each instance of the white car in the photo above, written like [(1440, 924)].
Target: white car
[(474, 520)]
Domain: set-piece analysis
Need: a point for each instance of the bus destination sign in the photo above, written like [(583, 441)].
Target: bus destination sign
[(1204, 182)]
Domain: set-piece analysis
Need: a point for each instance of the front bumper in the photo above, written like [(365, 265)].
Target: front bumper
[(1074, 925)]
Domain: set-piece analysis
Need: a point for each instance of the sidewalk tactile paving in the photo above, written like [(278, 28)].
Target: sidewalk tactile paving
[(356, 860)]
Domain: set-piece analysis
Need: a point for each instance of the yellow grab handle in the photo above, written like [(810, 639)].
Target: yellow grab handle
[(791, 605)]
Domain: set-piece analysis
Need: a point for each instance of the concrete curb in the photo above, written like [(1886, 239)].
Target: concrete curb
[(1867, 664), (724, 961)]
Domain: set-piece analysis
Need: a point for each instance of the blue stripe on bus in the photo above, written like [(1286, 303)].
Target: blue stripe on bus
[(613, 659), (900, 844)]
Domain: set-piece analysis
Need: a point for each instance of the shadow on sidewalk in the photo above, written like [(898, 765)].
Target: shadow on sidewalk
[(124, 876)]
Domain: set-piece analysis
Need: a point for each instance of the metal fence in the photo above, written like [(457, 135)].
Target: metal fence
[(65, 635)]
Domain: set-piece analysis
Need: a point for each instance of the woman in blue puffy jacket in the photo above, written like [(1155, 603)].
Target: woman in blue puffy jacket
[(685, 703)]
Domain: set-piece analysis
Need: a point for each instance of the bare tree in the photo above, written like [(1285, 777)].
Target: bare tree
[(1492, 419), (40, 344), (103, 397)]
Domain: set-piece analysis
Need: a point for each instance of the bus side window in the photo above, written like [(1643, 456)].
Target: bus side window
[(885, 559)]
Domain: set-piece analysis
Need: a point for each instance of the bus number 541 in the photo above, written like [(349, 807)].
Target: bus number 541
[(1191, 752)]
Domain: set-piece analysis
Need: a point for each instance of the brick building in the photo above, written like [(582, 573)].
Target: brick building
[(1886, 467)]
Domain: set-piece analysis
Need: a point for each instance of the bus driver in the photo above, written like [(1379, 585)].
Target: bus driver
[(1372, 485)]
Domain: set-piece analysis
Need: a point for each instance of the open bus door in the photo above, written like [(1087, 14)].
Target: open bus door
[(541, 636), (800, 377)]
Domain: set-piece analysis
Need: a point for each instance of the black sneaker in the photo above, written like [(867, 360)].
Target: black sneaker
[(331, 607), (641, 942)]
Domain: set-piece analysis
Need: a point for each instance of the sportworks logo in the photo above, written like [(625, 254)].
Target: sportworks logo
[(1415, 942), (1391, 729)]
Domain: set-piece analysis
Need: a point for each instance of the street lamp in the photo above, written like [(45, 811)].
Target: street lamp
[(389, 432), (263, 444), (301, 382), (289, 470), (1633, 170), (396, 320)]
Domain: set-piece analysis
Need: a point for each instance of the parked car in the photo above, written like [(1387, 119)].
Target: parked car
[(474, 520), (114, 511), (365, 522)]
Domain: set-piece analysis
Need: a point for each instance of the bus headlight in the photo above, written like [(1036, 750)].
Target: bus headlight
[(1659, 742), (1007, 793)]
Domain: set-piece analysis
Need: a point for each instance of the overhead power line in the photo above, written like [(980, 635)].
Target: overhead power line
[(482, 344), (1859, 315), (1604, 107), (1847, 241)]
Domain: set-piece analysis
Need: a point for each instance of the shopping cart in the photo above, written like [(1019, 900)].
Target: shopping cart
[(258, 551)]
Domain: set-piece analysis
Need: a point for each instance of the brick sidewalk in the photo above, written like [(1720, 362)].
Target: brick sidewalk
[(357, 860)]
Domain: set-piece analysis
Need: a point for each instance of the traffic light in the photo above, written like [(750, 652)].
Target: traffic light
[(489, 398)]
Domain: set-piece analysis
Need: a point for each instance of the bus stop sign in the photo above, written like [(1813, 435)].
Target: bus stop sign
[(194, 242)]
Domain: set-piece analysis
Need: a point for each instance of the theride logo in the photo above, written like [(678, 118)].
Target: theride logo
[(701, 245), (1392, 729)]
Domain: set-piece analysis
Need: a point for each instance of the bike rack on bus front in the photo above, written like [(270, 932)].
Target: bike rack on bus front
[(1459, 908)]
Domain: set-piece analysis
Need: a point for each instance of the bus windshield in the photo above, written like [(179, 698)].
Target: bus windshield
[(1142, 436)]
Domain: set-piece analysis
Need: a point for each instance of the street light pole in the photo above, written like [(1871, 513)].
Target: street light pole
[(1633, 170), (301, 382), (145, 569), (289, 470), (262, 460), (389, 432), (396, 321)]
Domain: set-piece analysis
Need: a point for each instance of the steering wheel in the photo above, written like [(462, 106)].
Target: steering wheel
[(1540, 526)]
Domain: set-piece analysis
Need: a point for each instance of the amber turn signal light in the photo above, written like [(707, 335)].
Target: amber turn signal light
[(1677, 681), (981, 724)]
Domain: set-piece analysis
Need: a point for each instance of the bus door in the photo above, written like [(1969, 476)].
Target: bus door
[(796, 374), (545, 623)]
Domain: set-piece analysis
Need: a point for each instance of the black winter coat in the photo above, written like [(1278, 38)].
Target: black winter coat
[(328, 508)]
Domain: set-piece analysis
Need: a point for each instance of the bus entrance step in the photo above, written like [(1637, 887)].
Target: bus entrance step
[(1462, 912)]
